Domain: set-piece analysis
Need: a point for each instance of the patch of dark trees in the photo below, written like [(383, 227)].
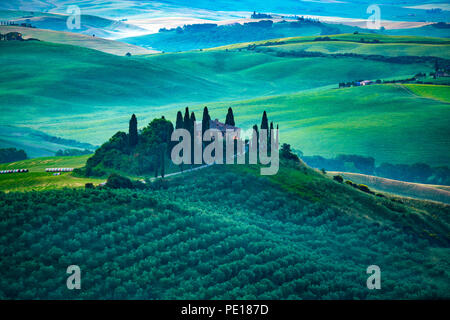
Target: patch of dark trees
[(212, 27), (257, 15), (373, 57), (441, 25), (361, 187), (62, 141), (12, 155), (71, 152), (417, 172), (135, 152), (15, 36)]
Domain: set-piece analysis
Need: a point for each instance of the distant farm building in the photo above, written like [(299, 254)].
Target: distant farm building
[(440, 74), (364, 83), (58, 169), (13, 171), (223, 128)]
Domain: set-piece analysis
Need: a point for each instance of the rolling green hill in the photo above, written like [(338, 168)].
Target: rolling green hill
[(401, 188), (201, 36), (436, 92), (385, 49), (40, 164), (89, 95), (36, 143), (223, 233), (388, 122), (349, 37), (433, 30), (89, 24)]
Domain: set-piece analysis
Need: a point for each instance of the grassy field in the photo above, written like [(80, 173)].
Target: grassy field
[(350, 37), (386, 122), (89, 24), (385, 49), (97, 92), (37, 179), (100, 90), (40, 164), (429, 31), (436, 92)]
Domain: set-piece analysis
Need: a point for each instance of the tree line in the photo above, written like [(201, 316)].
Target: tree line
[(12, 155), (146, 151)]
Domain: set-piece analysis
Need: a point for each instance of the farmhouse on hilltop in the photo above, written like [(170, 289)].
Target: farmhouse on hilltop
[(222, 127)]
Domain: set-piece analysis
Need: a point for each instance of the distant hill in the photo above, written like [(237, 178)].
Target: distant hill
[(412, 10), (36, 143), (201, 36), (401, 188), (441, 29), (251, 77), (89, 24), (387, 121), (96, 43)]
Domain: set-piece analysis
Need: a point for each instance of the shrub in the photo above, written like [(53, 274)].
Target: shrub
[(116, 181), (364, 188), (89, 185)]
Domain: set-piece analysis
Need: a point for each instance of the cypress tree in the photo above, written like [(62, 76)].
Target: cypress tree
[(255, 129), (179, 124), (264, 122), (276, 138), (264, 125), (230, 118), (192, 119), (269, 137), (187, 120), (192, 125), (205, 120), (132, 131)]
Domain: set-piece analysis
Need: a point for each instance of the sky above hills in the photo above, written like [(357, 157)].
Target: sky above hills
[(153, 15)]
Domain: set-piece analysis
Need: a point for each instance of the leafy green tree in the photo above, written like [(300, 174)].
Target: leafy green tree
[(287, 154), (116, 181), (192, 120)]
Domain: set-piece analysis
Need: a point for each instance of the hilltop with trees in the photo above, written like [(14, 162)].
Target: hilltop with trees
[(135, 152), (147, 151), (11, 155)]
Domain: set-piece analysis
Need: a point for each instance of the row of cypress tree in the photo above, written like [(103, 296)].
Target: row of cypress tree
[(188, 122)]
